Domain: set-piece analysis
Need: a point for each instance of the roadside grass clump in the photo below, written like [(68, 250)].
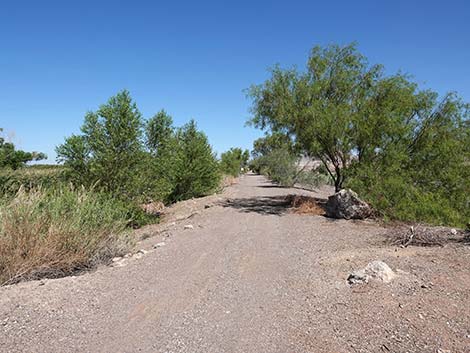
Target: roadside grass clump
[(55, 232)]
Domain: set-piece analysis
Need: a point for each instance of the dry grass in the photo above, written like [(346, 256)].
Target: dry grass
[(153, 208), (306, 205), (51, 234), (228, 180)]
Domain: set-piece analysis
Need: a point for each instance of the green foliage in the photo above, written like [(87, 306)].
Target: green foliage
[(159, 131), (274, 141), (279, 164), (196, 171), (14, 159), (312, 179), (110, 148), (32, 177), (57, 231), (233, 161), (139, 161), (370, 130)]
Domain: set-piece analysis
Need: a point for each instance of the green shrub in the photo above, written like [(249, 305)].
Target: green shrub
[(397, 197), (313, 179), (109, 151), (233, 161), (56, 232), (279, 165), (31, 178), (196, 171)]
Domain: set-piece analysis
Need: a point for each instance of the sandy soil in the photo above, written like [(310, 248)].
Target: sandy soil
[(249, 276)]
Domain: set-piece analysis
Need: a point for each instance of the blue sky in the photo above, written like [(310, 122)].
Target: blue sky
[(59, 59)]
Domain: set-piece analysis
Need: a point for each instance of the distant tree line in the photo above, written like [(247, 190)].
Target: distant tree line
[(12, 158)]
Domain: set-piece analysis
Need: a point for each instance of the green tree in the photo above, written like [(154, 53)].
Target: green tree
[(274, 141), (233, 161), (12, 158), (196, 168), (339, 109), (109, 151), (159, 131), (404, 149)]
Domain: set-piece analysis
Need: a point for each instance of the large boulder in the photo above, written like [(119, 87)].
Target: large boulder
[(346, 204)]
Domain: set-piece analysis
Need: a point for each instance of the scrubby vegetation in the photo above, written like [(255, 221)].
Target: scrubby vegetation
[(52, 232), (405, 150), (58, 219), (276, 157), (12, 158), (234, 161), (137, 160)]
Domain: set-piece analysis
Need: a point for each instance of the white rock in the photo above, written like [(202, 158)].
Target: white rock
[(453, 231), (375, 270), (188, 226), (380, 270), (159, 245), (115, 259)]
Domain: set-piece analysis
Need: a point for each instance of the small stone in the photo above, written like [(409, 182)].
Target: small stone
[(453, 231), (443, 351), (116, 259), (142, 251), (120, 263), (207, 206), (188, 226), (159, 245), (358, 277)]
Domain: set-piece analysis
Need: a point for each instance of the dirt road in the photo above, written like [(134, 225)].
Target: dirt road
[(250, 276)]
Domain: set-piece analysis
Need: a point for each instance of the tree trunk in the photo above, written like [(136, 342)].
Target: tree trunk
[(338, 179)]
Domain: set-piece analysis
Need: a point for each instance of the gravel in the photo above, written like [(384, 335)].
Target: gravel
[(249, 277)]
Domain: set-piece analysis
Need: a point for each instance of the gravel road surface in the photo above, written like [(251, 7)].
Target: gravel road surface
[(249, 276)]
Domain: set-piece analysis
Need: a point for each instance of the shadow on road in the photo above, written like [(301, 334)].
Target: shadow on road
[(265, 205)]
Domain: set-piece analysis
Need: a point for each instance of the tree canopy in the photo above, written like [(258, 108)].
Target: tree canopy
[(366, 127)]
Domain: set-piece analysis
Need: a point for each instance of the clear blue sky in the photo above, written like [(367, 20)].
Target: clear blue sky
[(59, 59)]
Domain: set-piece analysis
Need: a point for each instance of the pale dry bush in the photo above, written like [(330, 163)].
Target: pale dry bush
[(54, 233), (306, 205), (228, 180)]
